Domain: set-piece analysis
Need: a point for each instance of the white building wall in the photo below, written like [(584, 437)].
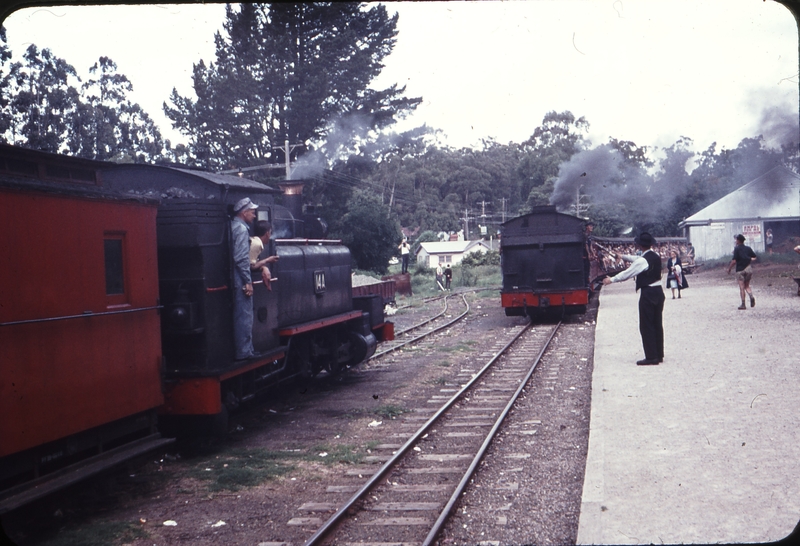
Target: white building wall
[(432, 260), (422, 257), (715, 241)]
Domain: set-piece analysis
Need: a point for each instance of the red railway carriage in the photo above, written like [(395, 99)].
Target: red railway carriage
[(544, 264), (79, 321)]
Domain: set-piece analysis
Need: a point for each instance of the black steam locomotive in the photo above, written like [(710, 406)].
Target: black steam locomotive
[(544, 264), (306, 323)]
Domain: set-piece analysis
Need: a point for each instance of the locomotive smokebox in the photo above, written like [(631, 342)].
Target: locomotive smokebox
[(293, 196)]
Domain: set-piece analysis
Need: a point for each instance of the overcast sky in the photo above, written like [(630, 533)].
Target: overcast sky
[(649, 71)]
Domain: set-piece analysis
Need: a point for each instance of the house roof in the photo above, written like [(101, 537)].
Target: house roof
[(450, 247), (773, 195)]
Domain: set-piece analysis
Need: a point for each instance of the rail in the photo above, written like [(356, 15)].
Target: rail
[(461, 398), (402, 343)]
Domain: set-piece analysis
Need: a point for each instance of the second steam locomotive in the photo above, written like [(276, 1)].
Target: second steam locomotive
[(552, 266), (544, 264)]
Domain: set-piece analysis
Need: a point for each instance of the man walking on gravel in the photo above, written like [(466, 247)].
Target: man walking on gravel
[(743, 257), (647, 270)]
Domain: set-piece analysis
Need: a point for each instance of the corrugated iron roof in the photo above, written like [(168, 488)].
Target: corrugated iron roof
[(227, 180), (449, 247), (773, 195)]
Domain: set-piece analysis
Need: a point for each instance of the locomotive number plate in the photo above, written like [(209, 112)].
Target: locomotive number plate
[(319, 282)]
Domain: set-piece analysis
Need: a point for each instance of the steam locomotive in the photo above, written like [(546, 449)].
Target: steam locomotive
[(116, 309), (544, 263), (550, 266)]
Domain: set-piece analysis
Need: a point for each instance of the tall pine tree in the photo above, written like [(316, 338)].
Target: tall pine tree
[(298, 72)]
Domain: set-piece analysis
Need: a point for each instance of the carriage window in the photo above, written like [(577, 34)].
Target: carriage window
[(115, 281)]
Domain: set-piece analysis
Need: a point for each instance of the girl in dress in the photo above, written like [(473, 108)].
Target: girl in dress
[(674, 273)]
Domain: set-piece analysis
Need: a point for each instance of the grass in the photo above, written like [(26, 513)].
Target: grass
[(334, 454), (489, 294), (101, 533), (423, 279), (390, 411), (460, 347), (242, 468), (239, 468)]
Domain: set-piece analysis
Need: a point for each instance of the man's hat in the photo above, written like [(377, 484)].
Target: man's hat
[(644, 239), (244, 204), (740, 238)]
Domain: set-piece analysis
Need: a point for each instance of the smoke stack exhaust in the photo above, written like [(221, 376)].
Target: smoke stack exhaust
[(293, 197)]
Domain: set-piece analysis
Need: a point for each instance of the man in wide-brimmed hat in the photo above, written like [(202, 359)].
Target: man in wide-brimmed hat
[(647, 270)]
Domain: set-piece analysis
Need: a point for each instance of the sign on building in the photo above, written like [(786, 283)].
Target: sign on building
[(752, 232)]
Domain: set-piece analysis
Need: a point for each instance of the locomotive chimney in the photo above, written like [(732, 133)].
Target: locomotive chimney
[(293, 197)]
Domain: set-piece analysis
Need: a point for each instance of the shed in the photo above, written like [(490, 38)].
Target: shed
[(431, 254), (771, 201)]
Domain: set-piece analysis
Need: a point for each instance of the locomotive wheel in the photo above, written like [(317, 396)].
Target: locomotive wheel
[(335, 368), (300, 358)]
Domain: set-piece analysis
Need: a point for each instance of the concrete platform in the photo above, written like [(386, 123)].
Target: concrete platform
[(704, 448)]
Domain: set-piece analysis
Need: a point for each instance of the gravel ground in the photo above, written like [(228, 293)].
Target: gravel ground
[(205, 491)]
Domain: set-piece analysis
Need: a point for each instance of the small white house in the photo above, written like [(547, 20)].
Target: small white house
[(770, 202), (448, 252)]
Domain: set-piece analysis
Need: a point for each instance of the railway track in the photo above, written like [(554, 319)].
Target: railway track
[(426, 327), (409, 498)]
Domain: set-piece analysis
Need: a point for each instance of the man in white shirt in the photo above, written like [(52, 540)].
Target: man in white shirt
[(647, 270)]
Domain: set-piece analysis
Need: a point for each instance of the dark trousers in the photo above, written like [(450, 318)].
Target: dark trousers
[(405, 264), (651, 325)]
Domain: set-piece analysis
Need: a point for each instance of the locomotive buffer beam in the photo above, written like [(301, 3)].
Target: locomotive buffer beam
[(317, 324)]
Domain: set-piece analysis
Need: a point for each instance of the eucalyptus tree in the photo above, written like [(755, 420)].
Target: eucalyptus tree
[(296, 72), (5, 85), (107, 125), (43, 100), (556, 140)]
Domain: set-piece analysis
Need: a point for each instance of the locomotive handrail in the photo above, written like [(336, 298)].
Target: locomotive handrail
[(308, 241), (82, 315)]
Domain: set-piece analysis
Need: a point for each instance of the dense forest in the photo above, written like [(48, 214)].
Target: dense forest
[(301, 73)]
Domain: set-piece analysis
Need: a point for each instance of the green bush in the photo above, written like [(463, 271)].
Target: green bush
[(479, 275), (491, 257)]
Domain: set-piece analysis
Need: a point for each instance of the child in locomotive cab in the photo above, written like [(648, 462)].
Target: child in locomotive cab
[(263, 231)]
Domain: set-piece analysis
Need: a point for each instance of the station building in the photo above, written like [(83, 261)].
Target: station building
[(771, 201)]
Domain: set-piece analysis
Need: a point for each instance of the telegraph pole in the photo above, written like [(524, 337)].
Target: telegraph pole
[(287, 153), (287, 166)]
